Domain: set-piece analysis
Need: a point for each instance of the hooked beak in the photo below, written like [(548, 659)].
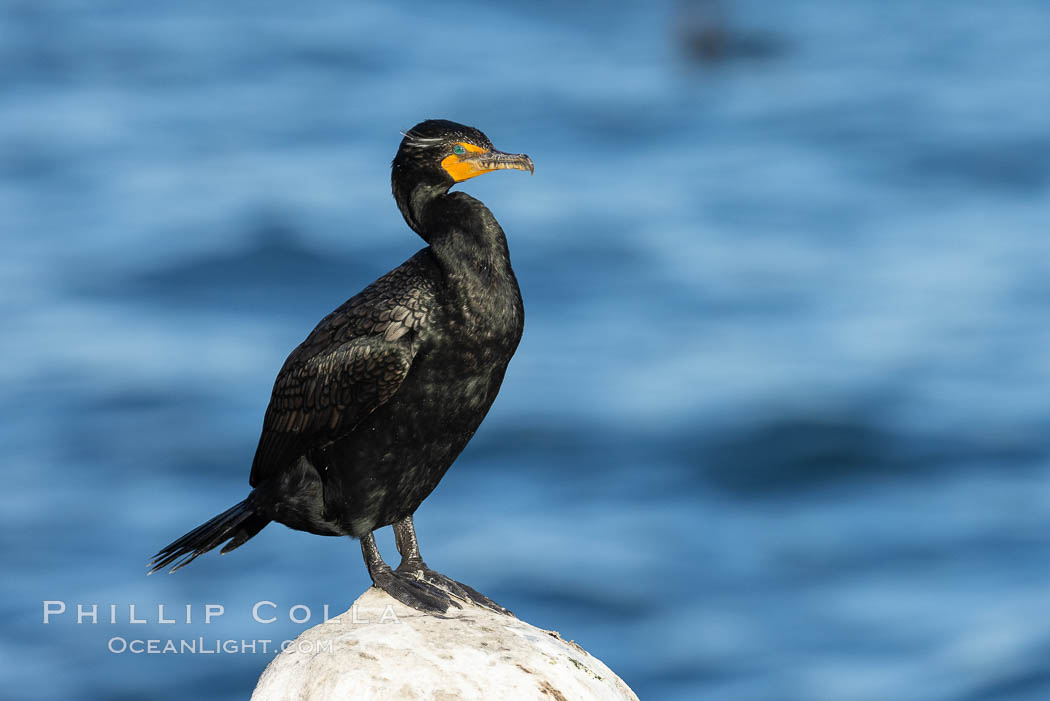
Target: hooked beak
[(497, 160), (477, 162)]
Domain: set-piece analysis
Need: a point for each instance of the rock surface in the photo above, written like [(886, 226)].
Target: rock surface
[(381, 649)]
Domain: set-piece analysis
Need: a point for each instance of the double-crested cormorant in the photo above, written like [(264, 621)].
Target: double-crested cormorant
[(373, 407)]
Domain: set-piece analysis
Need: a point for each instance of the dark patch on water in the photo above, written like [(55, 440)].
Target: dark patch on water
[(275, 273), (587, 607), (1022, 683), (795, 452), (1017, 164)]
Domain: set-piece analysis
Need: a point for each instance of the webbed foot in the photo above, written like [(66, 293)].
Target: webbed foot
[(461, 591), (412, 565), (412, 591), (405, 585)]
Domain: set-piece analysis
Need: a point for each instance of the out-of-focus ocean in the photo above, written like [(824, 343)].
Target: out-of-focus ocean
[(778, 427)]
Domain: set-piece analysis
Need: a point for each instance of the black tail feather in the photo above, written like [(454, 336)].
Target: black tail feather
[(236, 525)]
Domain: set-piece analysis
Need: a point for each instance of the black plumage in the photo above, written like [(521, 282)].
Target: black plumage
[(368, 413)]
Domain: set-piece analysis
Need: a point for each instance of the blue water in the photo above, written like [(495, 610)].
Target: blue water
[(778, 427)]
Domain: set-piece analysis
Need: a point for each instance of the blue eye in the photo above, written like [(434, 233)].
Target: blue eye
[(458, 150)]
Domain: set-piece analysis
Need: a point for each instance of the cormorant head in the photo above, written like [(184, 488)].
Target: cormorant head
[(437, 154)]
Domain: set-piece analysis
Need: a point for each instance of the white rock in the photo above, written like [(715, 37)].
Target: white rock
[(381, 649)]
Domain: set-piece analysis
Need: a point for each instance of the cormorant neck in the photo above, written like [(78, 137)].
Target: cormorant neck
[(465, 238), (413, 196)]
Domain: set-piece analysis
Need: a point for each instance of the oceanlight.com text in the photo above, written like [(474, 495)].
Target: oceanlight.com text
[(202, 646)]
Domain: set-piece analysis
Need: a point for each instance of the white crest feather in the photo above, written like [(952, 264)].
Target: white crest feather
[(417, 141)]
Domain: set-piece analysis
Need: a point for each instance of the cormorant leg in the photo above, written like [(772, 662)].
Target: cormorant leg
[(408, 588), (408, 546), (412, 565)]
